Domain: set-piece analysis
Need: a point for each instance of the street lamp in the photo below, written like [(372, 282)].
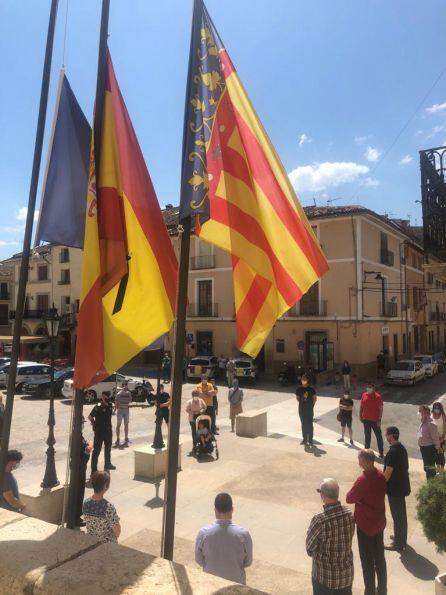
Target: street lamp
[(52, 321)]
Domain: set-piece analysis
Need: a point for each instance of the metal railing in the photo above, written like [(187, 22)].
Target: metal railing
[(28, 314), (308, 308), (390, 310), (206, 261), (202, 310)]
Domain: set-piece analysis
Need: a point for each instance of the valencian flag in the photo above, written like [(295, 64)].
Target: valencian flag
[(129, 271), (239, 194), (62, 208)]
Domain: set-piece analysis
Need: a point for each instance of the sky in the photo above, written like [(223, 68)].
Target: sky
[(349, 91)]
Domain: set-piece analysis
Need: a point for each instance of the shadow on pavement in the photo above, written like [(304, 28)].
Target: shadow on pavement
[(418, 565)]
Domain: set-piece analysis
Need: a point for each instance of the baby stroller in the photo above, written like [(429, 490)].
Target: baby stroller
[(211, 443)]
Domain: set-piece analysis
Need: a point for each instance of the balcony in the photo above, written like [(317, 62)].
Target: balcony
[(308, 308), (387, 257), (68, 319), (64, 282), (202, 262), (64, 257), (28, 314), (437, 316), (390, 310), (202, 310), (4, 296)]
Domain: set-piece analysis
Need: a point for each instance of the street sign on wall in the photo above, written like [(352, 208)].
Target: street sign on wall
[(385, 330)]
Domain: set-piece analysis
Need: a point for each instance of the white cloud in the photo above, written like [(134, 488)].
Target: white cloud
[(304, 138), (436, 130), (360, 140), (22, 213), (320, 176), (17, 229), (3, 243), (372, 182), (437, 107), (372, 154), (406, 159)]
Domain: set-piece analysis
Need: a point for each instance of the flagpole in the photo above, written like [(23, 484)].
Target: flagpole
[(170, 488), (23, 278), (75, 453)]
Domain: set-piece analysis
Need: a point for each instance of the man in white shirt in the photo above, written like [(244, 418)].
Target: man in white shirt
[(224, 549)]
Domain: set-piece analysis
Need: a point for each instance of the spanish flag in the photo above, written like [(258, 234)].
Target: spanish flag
[(238, 192), (129, 273)]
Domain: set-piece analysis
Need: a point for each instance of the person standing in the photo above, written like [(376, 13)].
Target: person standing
[(215, 402), (396, 472), (345, 416), (166, 365), (223, 548), (439, 418), (10, 497), (86, 448), (123, 399), (346, 371), (207, 392), (370, 413), (428, 441), (100, 418), (162, 403), (381, 364), (306, 397), (100, 515), (235, 398), (194, 407), (329, 543), (230, 372), (368, 495), (222, 361)]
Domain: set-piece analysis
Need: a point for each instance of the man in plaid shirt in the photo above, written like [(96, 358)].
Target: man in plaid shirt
[(329, 543)]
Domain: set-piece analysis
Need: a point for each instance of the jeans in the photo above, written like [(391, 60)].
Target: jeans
[(210, 410), (307, 426), (397, 506), (319, 589), (99, 439), (194, 433), (429, 456), (371, 552), (368, 427)]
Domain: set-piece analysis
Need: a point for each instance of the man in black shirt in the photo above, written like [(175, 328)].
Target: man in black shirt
[(306, 397), (396, 471), (100, 418)]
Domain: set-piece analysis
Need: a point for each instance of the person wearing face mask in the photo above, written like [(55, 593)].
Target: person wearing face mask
[(11, 499), (235, 398), (439, 418), (100, 418), (194, 408), (345, 416), (306, 397), (428, 441), (370, 413)]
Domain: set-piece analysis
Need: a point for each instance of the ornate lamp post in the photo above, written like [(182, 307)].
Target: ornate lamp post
[(52, 320)]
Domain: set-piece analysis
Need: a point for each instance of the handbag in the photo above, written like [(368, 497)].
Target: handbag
[(339, 416)]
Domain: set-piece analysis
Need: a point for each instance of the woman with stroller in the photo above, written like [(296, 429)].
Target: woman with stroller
[(194, 408), (235, 398)]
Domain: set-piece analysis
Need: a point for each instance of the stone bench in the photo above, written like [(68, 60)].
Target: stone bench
[(151, 463), (251, 424), (43, 504), (39, 558)]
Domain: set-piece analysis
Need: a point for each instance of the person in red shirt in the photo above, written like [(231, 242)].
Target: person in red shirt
[(368, 495), (370, 413)]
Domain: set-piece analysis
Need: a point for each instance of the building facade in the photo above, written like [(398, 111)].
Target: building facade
[(377, 295)]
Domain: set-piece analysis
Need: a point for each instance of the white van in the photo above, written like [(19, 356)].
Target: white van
[(26, 372)]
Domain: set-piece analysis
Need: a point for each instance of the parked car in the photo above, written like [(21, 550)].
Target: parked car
[(202, 364), (429, 363), (137, 388), (407, 371), (26, 372), (4, 361), (42, 387), (245, 369), (440, 358)]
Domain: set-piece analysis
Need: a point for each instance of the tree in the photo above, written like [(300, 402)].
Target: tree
[(431, 510)]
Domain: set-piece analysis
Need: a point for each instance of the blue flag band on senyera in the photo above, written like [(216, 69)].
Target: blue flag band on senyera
[(62, 210)]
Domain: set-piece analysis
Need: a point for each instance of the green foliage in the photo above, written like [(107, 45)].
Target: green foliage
[(431, 510)]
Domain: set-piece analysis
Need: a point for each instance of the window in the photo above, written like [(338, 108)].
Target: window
[(42, 272), (280, 345), (4, 312), (64, 255), (3, 291), (43, 302), (430, 278), (64, 277), (415, 298), (78, 302), (65, 304), (204, 294), (404, 343)]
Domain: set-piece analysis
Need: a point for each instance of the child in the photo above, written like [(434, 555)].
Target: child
[(345, 415), (204, 437)]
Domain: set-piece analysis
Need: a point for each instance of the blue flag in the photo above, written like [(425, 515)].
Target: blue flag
[(64, 196)]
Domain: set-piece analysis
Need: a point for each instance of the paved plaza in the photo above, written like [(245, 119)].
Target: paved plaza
[(273, 482)]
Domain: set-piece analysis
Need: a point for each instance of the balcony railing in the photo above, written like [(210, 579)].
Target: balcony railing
[(308, 308), (4, 295), (437, 316), (202, 310), (64, 282), (390, 310), (64, 257), (68, 319), (387, 257), (28, 314), (202, 262)]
